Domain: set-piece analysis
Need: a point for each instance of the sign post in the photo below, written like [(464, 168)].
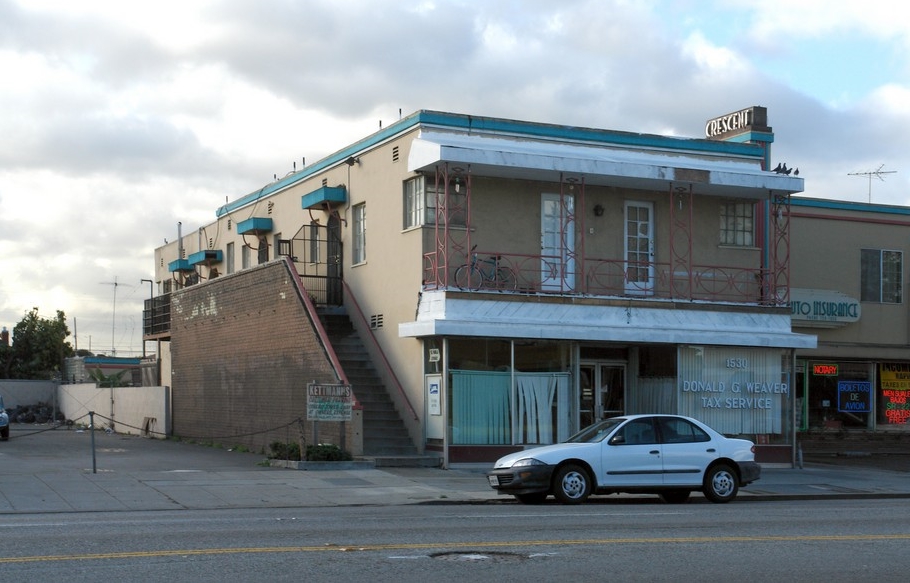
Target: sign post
[(328, 402)]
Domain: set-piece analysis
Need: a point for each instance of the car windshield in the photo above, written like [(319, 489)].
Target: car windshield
[(596, 432)]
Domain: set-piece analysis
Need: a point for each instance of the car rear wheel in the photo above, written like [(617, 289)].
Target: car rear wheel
[(535, 498), (571, 484), (4, 433), (674, 496), (720, 484)]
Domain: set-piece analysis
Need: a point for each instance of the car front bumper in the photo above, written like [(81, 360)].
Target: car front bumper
[(521, 480), (748, 472)]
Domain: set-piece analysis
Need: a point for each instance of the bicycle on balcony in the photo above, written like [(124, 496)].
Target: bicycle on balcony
[(486, 273)]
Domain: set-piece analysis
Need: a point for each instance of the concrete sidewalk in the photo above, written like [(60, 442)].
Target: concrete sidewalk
[(56, 471)]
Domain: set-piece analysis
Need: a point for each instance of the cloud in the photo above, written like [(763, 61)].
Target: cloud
[(121, 119)]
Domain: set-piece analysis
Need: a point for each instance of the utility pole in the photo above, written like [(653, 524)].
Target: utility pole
[(877, 173), (113, 315)]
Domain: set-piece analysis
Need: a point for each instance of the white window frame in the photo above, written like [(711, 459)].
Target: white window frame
[(419, 202), (359, 233), (229, 257), (881, 276), (737, 224)]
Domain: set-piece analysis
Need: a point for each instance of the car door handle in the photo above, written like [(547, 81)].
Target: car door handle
[(654, 451), (711, 450)]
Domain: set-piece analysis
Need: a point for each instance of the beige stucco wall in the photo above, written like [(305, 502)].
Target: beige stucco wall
[(825, 255)]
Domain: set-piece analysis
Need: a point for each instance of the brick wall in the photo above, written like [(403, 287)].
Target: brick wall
[(244, 348)]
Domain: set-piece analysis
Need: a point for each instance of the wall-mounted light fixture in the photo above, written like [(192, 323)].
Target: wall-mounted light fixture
[(598, 210), (352, 160)]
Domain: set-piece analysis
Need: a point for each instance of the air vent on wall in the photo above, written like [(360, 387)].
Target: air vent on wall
[(229, 224), (325, 181), (375, 321), (395, 154)]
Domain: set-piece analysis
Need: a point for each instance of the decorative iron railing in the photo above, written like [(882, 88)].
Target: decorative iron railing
[(540, 274)]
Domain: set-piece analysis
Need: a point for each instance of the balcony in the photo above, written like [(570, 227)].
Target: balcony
[(603, 277), (156, 318)]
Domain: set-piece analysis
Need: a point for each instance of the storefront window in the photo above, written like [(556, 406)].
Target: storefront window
[(737, 391), (839, 394), (494, 401), (894, 394)]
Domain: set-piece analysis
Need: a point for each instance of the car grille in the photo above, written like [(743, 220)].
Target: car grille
[(505, 479)]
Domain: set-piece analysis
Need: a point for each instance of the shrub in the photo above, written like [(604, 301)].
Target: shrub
[(326, 452), (323, 452), (284, 451)]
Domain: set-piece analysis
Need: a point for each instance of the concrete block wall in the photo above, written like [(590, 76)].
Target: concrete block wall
[(243, 348), (132, 410)]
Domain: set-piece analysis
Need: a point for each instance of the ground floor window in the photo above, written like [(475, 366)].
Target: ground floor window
[(737, 391), (838, 395), (505, 393), (532, 392)]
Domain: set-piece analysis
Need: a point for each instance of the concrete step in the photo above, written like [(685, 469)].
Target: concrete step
[(406, 461)]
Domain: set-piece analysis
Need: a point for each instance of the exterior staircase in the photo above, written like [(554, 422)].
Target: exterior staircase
[(385, 438)]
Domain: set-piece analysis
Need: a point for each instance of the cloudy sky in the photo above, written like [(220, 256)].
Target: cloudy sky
[(119, 119)]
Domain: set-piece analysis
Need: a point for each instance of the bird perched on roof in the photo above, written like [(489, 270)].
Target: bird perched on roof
[(777, 169)]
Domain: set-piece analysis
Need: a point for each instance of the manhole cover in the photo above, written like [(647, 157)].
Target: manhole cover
[(480, 557)]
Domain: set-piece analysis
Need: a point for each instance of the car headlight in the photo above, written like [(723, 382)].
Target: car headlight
[(528, 461)]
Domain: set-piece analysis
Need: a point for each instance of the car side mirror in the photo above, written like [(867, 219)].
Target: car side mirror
[(618, 439)]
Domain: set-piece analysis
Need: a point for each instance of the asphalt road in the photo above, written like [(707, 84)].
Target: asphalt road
[(608, 540)]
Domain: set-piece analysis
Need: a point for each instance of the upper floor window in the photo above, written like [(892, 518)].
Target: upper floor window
[(421, 202), (737, 224), (881, 273), (359, 226), (245, 257), (229, 257)]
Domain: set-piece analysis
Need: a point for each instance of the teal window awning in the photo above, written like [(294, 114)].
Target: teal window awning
[(255, 226), (206, 257), (180, 265), (327, 195)]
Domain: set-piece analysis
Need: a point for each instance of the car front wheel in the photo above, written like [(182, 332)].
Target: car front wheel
[(571, 484), (720, 484)]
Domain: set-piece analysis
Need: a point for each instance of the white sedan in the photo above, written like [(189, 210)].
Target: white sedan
[(669, 455)]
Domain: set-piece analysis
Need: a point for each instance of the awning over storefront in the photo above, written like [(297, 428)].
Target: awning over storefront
[(442, 314), (716, 173)]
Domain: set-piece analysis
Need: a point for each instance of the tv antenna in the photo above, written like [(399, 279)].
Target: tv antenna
[(877, 173), (113, 314)]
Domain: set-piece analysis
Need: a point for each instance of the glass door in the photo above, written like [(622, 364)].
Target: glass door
[(603, 391), (639, 248)]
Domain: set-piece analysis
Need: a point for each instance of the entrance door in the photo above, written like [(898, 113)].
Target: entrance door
[(603, 391), (557, 242), (639, 233), (334, 294)]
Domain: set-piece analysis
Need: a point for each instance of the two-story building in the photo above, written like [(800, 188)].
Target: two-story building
[(509, 282), (847, 289)]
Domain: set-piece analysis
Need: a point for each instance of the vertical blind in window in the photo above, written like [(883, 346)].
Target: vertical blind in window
[(734, 390)]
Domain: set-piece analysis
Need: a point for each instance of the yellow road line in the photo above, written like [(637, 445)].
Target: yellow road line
[(450, 545)]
